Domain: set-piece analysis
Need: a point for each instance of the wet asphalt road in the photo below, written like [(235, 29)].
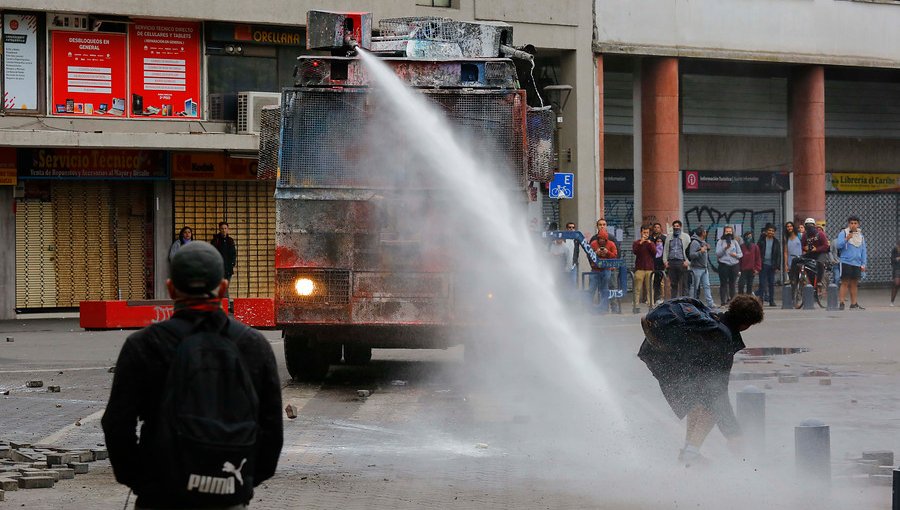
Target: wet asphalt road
[(433, 434)]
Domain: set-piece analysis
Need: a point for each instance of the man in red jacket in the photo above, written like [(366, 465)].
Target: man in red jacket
[(604, 248), (815, 246), (644, 261), (751, 264)]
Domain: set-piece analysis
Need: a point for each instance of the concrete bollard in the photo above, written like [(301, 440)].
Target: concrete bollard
[(832, 297), (787, 297), (895, 498), (751, 414), (809, 297), (812, 451)]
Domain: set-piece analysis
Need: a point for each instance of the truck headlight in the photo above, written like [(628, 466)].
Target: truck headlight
[(304, 287)]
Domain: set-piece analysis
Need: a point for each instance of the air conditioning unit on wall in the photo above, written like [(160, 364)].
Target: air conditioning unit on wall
[(249, 106)]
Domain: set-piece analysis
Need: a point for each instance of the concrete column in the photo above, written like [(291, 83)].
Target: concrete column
[(660, 182), (600, 130), (8, 257), (808, 141), (637, 147), (163, 235)]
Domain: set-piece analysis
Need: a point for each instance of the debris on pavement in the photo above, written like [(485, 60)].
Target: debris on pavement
[(291, 411), (34, 384)]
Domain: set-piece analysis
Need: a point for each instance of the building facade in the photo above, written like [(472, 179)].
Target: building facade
[(124, 122), (748, 113)]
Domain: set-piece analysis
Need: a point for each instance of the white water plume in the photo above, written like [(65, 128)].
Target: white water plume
[(599, 427)]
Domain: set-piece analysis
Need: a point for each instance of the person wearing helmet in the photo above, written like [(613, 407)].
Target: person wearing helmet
[(815, 247)]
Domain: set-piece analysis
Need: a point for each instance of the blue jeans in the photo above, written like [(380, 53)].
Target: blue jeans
[(598, 281), (701, 279), (766, 290)]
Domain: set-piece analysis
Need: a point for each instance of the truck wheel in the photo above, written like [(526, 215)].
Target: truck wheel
[(357, 354), (305, 362)]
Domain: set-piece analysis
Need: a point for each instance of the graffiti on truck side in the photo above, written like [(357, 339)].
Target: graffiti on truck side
[(710, 218)]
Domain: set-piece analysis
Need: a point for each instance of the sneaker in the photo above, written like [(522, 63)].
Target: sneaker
[(691, 458), (892, 303), (842, 306), (856, 306), (772, 303)]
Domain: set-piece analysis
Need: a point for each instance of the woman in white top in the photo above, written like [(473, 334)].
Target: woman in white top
[(184, 236), (792, 246)]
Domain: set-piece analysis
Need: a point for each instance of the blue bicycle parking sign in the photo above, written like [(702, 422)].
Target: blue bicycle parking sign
[(562, 186)]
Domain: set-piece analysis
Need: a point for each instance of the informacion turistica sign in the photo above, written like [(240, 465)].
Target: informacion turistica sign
[(562, 186)]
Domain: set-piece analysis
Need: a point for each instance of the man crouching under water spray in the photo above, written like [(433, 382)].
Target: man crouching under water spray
[(690, 350)]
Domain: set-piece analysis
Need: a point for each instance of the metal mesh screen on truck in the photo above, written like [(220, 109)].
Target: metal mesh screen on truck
[(340, 138), (540, 144), (269, 131)]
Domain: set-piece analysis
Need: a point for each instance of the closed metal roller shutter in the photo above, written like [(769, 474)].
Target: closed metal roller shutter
[(750, 210), (249, 209), (733, 105), (880, 218), (618, 103), (89, 241), (862, 109), (35, 256)]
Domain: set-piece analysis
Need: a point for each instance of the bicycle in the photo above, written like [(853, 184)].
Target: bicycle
[(809, 274)]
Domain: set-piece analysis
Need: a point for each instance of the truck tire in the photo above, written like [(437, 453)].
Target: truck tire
[(304, 361), (357, 354)]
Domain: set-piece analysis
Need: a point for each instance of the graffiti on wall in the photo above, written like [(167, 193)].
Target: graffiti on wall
[(620, 213), (710, 218)]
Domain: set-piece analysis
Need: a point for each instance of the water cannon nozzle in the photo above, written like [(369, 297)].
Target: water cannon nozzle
[(511, 52)]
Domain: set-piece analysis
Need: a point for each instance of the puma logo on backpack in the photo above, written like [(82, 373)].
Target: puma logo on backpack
[(207, 427)]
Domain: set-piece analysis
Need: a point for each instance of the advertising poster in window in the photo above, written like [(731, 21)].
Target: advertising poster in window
[(20, 51), (165, 69), (89, 74)]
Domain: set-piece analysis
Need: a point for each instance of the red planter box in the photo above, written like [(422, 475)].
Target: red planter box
[(126, 314), (256, 312)]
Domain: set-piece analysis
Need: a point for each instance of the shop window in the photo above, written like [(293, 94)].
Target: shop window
[(248, 58), (434, 3), (23, 63)]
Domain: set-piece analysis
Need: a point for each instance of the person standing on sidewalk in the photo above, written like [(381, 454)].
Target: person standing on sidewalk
[(792, 246), (675, 258), (728, 252), (644, 253), (751, 264), (191, 391), (698, 253), (575, 249), (227, 248), (770, 252), (659, 268), (895, 265), (185, 235), (854, 255), (604, 248)]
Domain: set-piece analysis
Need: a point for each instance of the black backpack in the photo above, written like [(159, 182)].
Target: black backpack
[(205, 435)]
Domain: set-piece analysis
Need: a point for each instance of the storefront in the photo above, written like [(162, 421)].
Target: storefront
[(213, 187), (875, 198), (748, 200), (84, 225)]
